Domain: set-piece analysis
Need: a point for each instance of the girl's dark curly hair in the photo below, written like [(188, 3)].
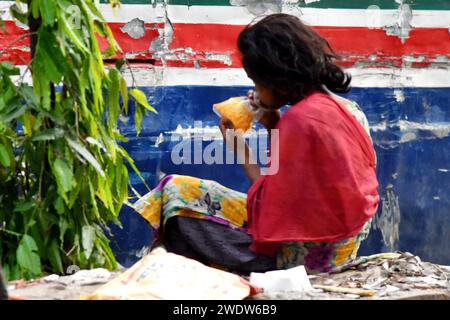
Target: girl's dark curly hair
[(288, 57)]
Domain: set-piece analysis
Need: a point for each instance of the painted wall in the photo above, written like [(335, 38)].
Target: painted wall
[(184, 55)]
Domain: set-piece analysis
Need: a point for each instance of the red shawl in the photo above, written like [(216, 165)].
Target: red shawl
[(326, 186)]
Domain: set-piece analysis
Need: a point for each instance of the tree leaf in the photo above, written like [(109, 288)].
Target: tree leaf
[(124, 92), (59, 205), (48, 11), (120, 63), (63, 174), (4, 156), (140, 98), (82, 151), (48, 58), (113, 98), (138, 120), (93, 200), (95, 142), (18, 14), (54, 255), (88, 236), (27, 255), (9, 68), (69, 31), (63, 227), (13, 113), (24, 206), (50, 134), (35, 8)]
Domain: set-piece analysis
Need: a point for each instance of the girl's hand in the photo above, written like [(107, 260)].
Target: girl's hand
[(230, 136), (236, 142), (265, 115)]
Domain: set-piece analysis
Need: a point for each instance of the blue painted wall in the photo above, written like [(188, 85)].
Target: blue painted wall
[(416, 169)]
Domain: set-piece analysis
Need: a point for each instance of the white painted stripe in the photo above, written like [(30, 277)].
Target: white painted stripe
[(398, 78), (236, 15), (128, 12), (211, 77), (361, 77), (209, 14), (312, 16), (124, 14)]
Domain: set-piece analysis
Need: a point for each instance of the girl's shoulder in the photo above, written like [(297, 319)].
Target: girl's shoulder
[(319, 109), (315, 109)]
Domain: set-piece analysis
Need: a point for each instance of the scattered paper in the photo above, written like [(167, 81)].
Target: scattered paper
[(294, 279)]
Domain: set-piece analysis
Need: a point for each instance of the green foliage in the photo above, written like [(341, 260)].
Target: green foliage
[(63, 175)]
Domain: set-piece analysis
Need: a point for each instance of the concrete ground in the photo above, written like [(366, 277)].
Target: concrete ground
[(393, 276)]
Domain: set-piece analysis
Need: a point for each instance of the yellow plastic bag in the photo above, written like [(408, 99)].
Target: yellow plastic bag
[(237, 111), (167, 276)]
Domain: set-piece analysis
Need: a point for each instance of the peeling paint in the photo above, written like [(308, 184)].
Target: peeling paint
[(168, 30), (411, 58), (157, 44), (388, 222), (183, 55), (422, 131), (225, 58), (259, 7), (442, 59), (159, 140), (408, 131), (402, 26), (399, 96), (134, 28), (161, 44)]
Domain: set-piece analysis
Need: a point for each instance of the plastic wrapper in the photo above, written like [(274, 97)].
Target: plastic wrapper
[(237, 110)]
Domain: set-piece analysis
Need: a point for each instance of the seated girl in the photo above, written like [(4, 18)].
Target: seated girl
[(316, 209)]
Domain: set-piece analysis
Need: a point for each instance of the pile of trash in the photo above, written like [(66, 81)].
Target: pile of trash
[(382, 276), (55, 287)]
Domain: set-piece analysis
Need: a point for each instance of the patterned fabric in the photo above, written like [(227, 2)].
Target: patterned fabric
[(184, 196), (321, 257), (357, 112)]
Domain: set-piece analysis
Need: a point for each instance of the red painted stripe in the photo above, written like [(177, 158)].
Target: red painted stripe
[(362, 41), (140, 48), (194, 42), (19, 53), (353, 43), (208, 38)]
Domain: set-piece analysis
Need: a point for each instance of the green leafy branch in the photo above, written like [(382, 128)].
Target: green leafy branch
[(63, 174)]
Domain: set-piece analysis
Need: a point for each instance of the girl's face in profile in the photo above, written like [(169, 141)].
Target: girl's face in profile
[(267, 99)]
